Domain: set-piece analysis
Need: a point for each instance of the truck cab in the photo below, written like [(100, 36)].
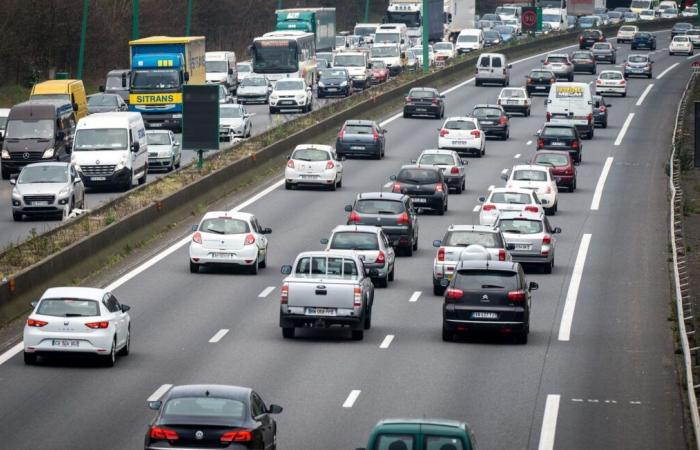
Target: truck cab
[(357, 65), (221, 69), (421, 434), (390, 54)]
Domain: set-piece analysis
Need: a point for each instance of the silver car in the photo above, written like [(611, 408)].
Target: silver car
[(163, 150), (453, 167), (47, 188), (234, 121), (253, 89), (560, 64), (530, 236), (244, 69)]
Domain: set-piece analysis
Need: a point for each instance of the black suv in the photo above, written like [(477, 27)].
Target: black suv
[(393, 213), (361, 138), (425, 185), (487, 296)]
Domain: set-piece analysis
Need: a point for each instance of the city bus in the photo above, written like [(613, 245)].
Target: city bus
[(285, 54)]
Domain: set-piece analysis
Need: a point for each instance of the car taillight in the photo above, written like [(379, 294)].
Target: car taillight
[(552, 80), (622, 82), (547, 239), (475, 133), (597, 82), (36, 323), (96, 325), (341, 133), (441, 254), (358, 298), (330, 165), (503, 120), (529, 80), (237, 436), (290, 164), (454, 294), (284, 294), (197, 237), (403, 219), (375, 135), (444, 132), (163, 433), (602, 109), (454, 170), (249, 240), (569, 171), (501, 254), (540, 143), (516, 296), (574, 144), (532, 208), (590, 118), (580, 39), (438, 188), (549, 116), (354, 218), (381, 258), (396, 188), (488, 207)]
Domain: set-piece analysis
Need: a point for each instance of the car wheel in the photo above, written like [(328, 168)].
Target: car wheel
[(333, 186), (408, 251), (392, 274), (127, 347), (572, 188), (549, 211), (194, 267), (405, 116), (477, 83), (254, 268), (368, 320), (16, 216), (458, 189), (340, 182), (30, 358), (263, 263), (357, 335), (438, 289), (414, 247), (5, 174), (379, 154), (109, 360), (287, 185), (129, 181), (447, 335), (521, 338), (527, 113), (288, 332), (649, 76)]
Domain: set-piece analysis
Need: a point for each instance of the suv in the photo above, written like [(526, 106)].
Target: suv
[(531, 236), (361, 137), (540, 80), (291, 93), (425, 185), (560, 64), (487, 296), (515, 100)]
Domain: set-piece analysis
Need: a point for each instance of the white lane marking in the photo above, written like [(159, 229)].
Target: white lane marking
[(528, 143), (492, 187), (644, 94), (11, 352), (549, 423), (621, 134), (516, 156), (267, 291), (414, 296), (387, 341), (219, 335), (389, 184), (504, 171), (661, 75), (694, 56), (159, 393), (352, 398), (598, 194), (570, 304), (390, 119), (477, 208)]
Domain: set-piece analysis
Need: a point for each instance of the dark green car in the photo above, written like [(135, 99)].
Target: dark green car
[(421, 434)]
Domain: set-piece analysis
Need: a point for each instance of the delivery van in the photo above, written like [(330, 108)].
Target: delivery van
[(68, 91), (571, 103), (469, 40), (221, 69)]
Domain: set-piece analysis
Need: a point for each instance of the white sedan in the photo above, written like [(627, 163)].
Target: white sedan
[(681, 44), (507, 199), (77, 320), (444, 51), (462, 134), (418, 50), (314, 165), (539, 179), (229, 238), (611, 82), (515, 100)]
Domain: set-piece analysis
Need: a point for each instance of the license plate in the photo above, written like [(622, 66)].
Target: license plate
[(558, 143), (421, 109), (486, 122), (156, 125), (286, 102), (220, 255), (309, 177), (356, 147), (65, 343), (42, 203), (540, 87), (512, 102), (459, 142), (332, 89), (420, 200), (98, 178), (522, 246), (320, 311), (484, 315)]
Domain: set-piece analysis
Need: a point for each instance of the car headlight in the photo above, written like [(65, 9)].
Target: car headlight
[(321, 84), (343, 84), (48, 153), (301, 96), (120, 165), (273, 97), (78, 168), (64, 192), (5, 154), (164, 154), (16, 194)]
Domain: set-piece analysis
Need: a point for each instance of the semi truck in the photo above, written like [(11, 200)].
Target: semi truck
[(319, 21), (160, 67), (410, 13), (580, 7), (460, 14)]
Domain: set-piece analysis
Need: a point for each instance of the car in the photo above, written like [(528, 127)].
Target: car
[(560, 65), (562, 166), (433, 434), (638, 65), (604, 51), (514, 23), (224, 94), (163, 150), (374, 248), (539, 81), (457, 240), (77, 320), (571, 22), (589, 22), (394, 213), (587, 38), (424, 184), (253, 89), (546, 29), (694, 36), (690, 11), (411, 61), (314, 165), (98, 103), (611, 82), (444, 51), (360, 138), (630, 17), (492, 68), (334, 82), (379, 71), (492, 38), (532, 236), (485, 25), (540, 180), (507, 199), (615, 17), (47, 188), (622, 9), (515, 100), (452, 166), (680, 28), (487, 296), (643, 39), (668, 13), (228, 238), (584, 61), (626, 33), (424, 101), (507, 33), (234, 122), (243, 69), (600, 111), (355, 62), (493, 120), (563, 137), (491, 17), (291, 93), (418, 50), (647, 14), (205, 416), (462, 134)]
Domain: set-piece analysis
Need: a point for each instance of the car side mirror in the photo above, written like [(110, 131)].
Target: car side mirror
[(444, 282), (510, 247), (274, 409), (13, 181), (556, 230), (482, 199), (504, 177), (187, 76), (348, 208), (437, 243), (267, 230), (124, 80), (60, 136), (538, 132), (541, 60), (155, 405), (135, 147), (101, 89), (403, 55), (125, 308), (75, 107), (533, 286), (286, 269), (34, 303), (324, 241), (194, 227), (465, 162), (510, 66), (392, 178), (77, 180), (413, 161)]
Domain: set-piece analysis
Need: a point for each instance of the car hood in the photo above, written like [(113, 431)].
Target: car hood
[(252, 90), (289, 93), (40, 188), (31, 145), (100, 157), (216, 77), (159, 148), (332, 80), (232, 122)]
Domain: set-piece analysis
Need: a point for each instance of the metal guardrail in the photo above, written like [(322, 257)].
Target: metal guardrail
[(684, 307)]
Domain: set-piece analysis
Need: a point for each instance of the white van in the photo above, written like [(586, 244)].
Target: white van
[(110, 149), (469, 40), (571, 103), (392, 33), (366, 30), (390, 54), (492, 68), (221, 69)]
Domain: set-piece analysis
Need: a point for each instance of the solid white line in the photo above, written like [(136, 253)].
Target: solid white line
[(492, 187), (414, 296), (644, 94), (159, 393), (387, 341), (267, 291), (570, 304), (549, 423), (598, 194), (517, 156), (666, 71), (504, 171), (621, 134), (390, 119), (694, 56), (11, 352), (528, 143), (477, 208), (351, 398), (219, 335)]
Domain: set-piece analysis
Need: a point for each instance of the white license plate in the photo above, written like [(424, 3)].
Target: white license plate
[(356, 147), (459, 142), (484, 315), (220, 255), (487, 122), (309, 177), (421, 109), (155, 125), (320, 311), (522, 246), (512, 102), (65, 343), (332, 89), (541, 87), (558, 143), (98, 178), (420, 200), (43, 203)]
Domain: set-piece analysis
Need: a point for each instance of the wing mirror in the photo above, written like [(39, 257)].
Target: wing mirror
[(124, 80), (348, 208), (482, 199), (533, 286), (135, 147), (101, 89), (465, 162), (34, 303), (13, 181), (504, 176), (230, 71), (437, 243), (413, 161), (286, 270), (510, 66), (187, 76), (510, 247), (267, 230), (194, 227), (155, 405), (324, 241), (274, 409), (125, 308), (392, 178), (556, 230)]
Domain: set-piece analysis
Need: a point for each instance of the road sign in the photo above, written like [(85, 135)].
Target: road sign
[(531, 18)]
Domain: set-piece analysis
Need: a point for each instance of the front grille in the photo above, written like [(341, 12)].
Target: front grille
[(28, 199), (98, 170), (31, 156)]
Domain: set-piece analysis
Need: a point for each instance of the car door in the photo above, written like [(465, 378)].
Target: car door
[(412, 215), (259, 236), (338, 164), (175, 147), (258, 411), (114, 312)]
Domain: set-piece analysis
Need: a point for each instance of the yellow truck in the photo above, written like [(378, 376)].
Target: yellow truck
[(70, 91)]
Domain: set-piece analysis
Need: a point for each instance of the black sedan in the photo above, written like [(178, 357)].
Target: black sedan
[(424, 184), (361, 138), (493, 120), (424, 101), (492, 38), (638, 65), (210, 416), (334, 82), (563, 137), (600, 111), (643, 39), (680, 28), (584, 61), (539, 81)]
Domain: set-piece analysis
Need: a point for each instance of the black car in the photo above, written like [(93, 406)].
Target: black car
[(210, 416), (584, 61), (360, 138), (393, 213), (560, 137), (680, 28), (493, 120), (424, 184), (334, 82), (100, 103), (643, 39), (487, 296), (424, 101), (638, 65), (492, 38), (589, 37), (539, 81), (600, 111)]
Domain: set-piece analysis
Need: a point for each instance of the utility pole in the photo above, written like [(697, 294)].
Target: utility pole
[(279, 4), (83, 32), (425, 15), (366, 11), (135, 19), (188, 20)]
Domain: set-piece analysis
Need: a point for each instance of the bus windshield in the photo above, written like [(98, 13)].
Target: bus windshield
[(146, 80), (411, 19), (275, 56)]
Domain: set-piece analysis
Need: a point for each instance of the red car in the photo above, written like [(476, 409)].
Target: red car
[(562, 166), (379, 71)]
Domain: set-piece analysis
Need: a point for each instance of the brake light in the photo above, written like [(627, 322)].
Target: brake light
[(396, 188), (330, 165), (590, 118), (454, 171), (580, 38), (602, 109), (597, 82), (529, 80), (237, 436), (403, 219), (358, 298), (249, 240), (622, 82), (290, 164), (375, 135), (97, 325), (601, 38), (540, 143), (454, 294), (476, 133), (549, 116), (503, 120), (569, 171), (501, 254), (354, 218), (438, 188), (444, 132), (36, 323), (441, 254), (531, 208), (488, 207), (547, 239), (197, 237), (574, 144), (516, 296), (381, 259), (284, 296), (341, 133), (163, 433)]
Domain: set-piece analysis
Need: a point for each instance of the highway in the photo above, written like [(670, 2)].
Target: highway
[(598, 371)]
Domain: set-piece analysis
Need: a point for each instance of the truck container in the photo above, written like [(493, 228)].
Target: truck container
[(410, 12), (580, 7), (319, 21), (461, 14)]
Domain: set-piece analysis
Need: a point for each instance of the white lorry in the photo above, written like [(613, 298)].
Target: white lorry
[(461, 14)]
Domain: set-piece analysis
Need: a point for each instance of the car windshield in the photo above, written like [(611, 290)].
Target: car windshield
[(358, 129), (384, 38), (216, 66), (198, 409), (224, 225), (642, 35), (340, 41), (459, 125), (552, 159), (101, 139), (628, 29), (467, 38), (352, 240), (68, 307), (3, 122), (379, 207), (505, 29), (114, 82), (61, 97), (610, 76), (310, 154), (513, 93), (254, 81), (510, 198), (680, 39), (436, 159), (244, 67), (486, 112), (637, 58), (646, 12), (586, 21), (559, 132), (349, 61), (602, 46), (29, 129), (155, 79), (44, 174), (505, 11), (418, 176), (378, 64), (478, 280), (490, 35), (384, 52), (333, 73), (422, 93), (520, 226), (443, 46), (465, 238), (234, 112), (365, 31), (630, 15), (289, 85), (157, 138), (102, 100), (529, 175)]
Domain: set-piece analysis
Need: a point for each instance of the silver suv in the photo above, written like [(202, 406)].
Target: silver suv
[(530, 237), (560, 64)]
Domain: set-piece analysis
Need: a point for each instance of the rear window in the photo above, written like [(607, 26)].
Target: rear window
[(223, 225), (582, 55), (520, 226), (394, 442), (556, 59), (602, 46), (628, 28), (512, 93), (610, 76), (680, 39), (552, 159), (558, 132), (541, 74), (379, 207), (642, 35), (68, 307), (477, 280), (511, 198), (530, 175), (437, 159), (467, 238), (359, 129), (203, 407), (486, 112), (309, 154), (422, 93), (460, 125), (418, 176), (442, 443), (319, 265), (640, 58), (352, 240), (496, 62), (485, 61), (591, 34)]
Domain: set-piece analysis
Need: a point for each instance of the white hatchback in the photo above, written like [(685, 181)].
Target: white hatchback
[(538, 179), (515, 100), (462, 134), (314, 165), (611, 82), (626, 33), (681, 44), (505, 199)]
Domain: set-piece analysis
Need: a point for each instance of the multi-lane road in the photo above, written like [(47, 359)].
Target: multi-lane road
[(598, 371)]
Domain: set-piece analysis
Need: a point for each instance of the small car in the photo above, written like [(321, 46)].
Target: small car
[(100, 103), (611, 82), (47, 188), (424, 101), (589, 37), (600, 111), (234, 122), (334, 82), (492, 38), (507, 199), (379, 71), (291, 93), (314, 165), (532, 237), (680, 28), (681, 44), (515, 100), (453, 167), (563, 137), (407, 434), (163, 150), (462, 134), (630, 17), (540, 180), (643, 39), (444, 51), (424, 184), (694, 36), (361, 138), (493, 120), (626, 33), (562, 167), (584, 61), (604, 51), (638, 65), (253, 89), (560, 65), (540, 81)]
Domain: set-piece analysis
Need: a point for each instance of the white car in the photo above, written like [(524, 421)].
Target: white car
[(647, 14), (669, 13), (462, 134), (314, 165), (690, 11), (539, 179), (681, 44), (229, 238), (163, 150), (444, 51), (291, 93), (694, 36), (77, 320), (507, 199), (453, 167), (611, 82), (626, 33), (243, 69), (515, 100), (418, 50), (515, 23), (4, 114), (234, 122)]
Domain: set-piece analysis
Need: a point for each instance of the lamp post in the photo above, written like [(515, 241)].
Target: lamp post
[(83, 32), (188, 20), (426, 31), (135, 19)]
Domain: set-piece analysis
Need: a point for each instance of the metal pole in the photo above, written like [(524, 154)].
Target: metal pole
[(135, 19), (188, 21), (366, 11), (279, 4), (83, 32), (426, 31)]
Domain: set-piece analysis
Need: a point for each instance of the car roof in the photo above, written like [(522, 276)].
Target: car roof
[(479, 228), (552, 152), (358, 228), (227, 214), (324, 147), (487, 105), (359, 122), (423, 422), (462, 118), (528, 167), (213, 390), (86, 293), (381, 195), (610, 71), (479, 264), (437, 151), (557, 55), (49, 163)]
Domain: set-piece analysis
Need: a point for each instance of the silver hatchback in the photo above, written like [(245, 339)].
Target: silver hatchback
[(530, 236), (560, 64)]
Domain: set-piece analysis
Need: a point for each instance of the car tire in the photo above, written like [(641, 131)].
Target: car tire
[(521, 338), (194, 267), (16, 216), (379, 154), (650, 76), (288, 185), (129, 182), (392, 274), (527, 113), (255, 267), (288, 332), (549, 211), (340, 182), (477, 83), (333, 186), (357, 335), (408, 251), (406, 115), (458, 189), (111, 359), (368, 320), (437, 288), (447, 335), (441, 211), (263, 263), (414, 247), (30, 358), (273, 110), (572, 188), (5, 174), (127, 347)]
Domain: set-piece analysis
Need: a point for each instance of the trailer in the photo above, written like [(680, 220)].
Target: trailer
[(460, 14), (410, 13), (319, 21)]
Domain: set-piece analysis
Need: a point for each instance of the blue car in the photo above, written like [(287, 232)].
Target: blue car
[(643, 39), (507, 33)]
